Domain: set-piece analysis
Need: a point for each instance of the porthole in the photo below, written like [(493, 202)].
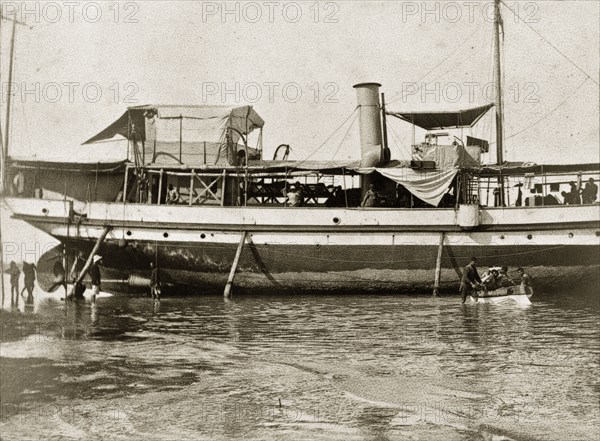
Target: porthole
[(45, 210), (597, 233), (336, 220), (203, 236), (529, 236), (165, 235), (128, 233), (570, 235), (502, 237)]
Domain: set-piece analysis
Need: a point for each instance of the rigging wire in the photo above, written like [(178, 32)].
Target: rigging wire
[(409, 155), (330, 136), (462, 62), (441, 62), (397, 143), (345, 135), (549, 113), (550, 44)]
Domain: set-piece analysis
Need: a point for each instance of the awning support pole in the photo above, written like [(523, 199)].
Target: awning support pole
[(223, 188), (160, 185), (236, 261), (89, 261), (438, 266)]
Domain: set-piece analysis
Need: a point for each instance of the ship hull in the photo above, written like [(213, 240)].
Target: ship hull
[(335, 250)]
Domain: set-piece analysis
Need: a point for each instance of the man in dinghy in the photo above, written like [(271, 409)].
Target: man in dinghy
[(526, 286), (504, 280), (490, 280)]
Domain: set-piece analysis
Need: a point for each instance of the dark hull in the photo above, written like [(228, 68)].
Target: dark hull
[(198, 269)]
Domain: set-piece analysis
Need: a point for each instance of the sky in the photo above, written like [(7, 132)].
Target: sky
[(79, 65)]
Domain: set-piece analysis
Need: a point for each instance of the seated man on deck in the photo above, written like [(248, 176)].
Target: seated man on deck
[(371, 198), (567, 198), (172, 195), (293, 197)]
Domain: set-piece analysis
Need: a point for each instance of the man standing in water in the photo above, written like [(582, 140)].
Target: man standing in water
[(525, 280), (470, 280), (154, 282), (95, 277), (29, 281), (14, 272)]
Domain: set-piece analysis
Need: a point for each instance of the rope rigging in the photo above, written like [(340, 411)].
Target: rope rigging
[(441, 62), (345, 135), (550, 44)]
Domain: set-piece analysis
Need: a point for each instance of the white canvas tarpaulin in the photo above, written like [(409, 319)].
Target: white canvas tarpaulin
[(190, 134), (445, 156), (428, 186)]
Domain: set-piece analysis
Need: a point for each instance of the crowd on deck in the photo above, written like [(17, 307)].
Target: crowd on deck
[(578, 196)]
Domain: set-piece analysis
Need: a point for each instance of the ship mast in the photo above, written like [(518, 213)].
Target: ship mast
[(499, 104), (5, 141)]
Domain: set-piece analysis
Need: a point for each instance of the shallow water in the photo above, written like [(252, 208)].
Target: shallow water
[(301, 368)]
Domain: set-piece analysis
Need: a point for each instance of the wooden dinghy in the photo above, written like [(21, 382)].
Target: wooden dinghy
[(519, 294)]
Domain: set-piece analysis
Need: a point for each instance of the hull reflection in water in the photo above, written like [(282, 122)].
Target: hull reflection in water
[(343, 368)]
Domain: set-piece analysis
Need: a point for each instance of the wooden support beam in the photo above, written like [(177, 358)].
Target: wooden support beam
[(88, 263), (438, 265), (236, 261)]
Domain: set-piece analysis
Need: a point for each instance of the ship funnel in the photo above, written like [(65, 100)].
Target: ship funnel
[(369, 108)]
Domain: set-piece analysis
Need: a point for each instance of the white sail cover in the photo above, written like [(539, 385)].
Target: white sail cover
[(429, 186)]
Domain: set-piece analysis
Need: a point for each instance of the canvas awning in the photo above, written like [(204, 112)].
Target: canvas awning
[(520, 168), (66, 166), (444, 120), (429, 186), (206, 123)]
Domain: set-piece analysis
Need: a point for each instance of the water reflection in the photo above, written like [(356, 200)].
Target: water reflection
[(345, 367)]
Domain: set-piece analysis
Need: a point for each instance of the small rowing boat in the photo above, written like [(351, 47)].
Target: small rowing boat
[(519, 294)]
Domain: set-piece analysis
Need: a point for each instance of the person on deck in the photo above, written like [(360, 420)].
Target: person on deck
[(519, 201), (19, 184), (575, 194), (300, 191), (95, 276), (172, 195), (371, 198), (590, 192), (293, 197), (155, 290), (567, 198), (470, 280)]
